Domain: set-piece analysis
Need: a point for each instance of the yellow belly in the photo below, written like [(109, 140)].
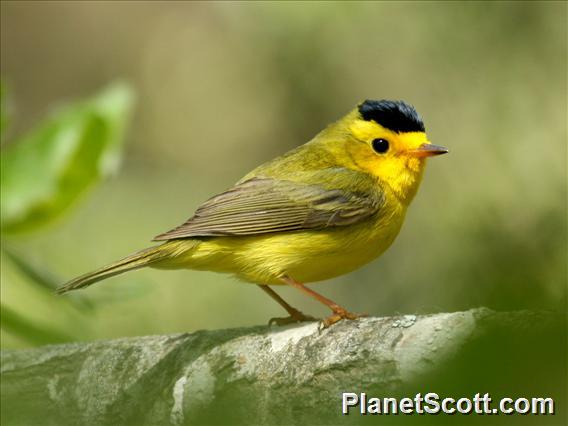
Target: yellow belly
[(306, 256)]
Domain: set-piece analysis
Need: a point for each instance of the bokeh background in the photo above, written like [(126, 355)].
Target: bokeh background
[(199, 93), (222, 87)]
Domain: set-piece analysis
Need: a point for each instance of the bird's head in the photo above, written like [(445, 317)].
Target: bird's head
[(387, 139)]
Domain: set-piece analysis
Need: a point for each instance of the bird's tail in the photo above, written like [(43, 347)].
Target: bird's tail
[(137, 260)]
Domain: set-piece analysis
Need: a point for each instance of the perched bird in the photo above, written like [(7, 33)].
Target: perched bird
[(316, 212)]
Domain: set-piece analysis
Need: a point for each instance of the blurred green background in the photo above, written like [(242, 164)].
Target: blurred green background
[(208, 91)]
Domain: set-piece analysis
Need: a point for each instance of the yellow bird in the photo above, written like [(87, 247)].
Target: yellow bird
[(316, 212)]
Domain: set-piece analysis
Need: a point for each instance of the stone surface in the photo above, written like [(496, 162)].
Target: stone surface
[(256, 375)]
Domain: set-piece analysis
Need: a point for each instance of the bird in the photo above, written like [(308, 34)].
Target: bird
[(319, 211)]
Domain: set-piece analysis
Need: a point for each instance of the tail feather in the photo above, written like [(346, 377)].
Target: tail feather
[(134, 261)]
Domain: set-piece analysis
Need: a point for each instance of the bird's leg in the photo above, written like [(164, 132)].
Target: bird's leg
[(295, 315), (339, 312)]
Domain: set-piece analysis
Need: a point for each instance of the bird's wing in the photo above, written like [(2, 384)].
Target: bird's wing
[(265, 205)]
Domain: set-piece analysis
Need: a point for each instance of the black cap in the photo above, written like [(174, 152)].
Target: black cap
[(397, 116)]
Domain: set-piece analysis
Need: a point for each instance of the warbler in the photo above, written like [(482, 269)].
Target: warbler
[(314, 213)]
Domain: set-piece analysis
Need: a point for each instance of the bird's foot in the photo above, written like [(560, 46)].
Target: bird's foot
[(339, 314), (295, 316)]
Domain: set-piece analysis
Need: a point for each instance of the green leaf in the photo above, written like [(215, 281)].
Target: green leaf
[(46, 171)]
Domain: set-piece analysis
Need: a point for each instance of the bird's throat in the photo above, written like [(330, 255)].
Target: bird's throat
[(404, 183)]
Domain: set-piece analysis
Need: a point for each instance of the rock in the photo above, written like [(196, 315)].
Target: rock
[(260, 375)]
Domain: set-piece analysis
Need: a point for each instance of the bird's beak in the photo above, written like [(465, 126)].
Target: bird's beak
[(427, 150)]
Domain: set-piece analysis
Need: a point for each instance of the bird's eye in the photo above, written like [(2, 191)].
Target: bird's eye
[(380, 145)]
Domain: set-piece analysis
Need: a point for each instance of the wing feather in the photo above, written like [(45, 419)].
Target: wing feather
[(265, 205)]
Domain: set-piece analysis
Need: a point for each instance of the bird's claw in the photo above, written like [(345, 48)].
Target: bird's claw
[(338, 315), (295, 317)]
